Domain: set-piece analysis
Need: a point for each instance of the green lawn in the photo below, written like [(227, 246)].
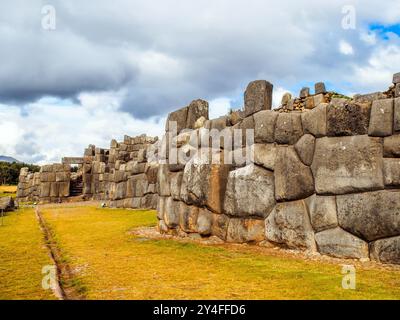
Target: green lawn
[(22, 257), (111, 263)]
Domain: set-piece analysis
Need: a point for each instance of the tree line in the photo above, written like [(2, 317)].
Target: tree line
[(9, 172)]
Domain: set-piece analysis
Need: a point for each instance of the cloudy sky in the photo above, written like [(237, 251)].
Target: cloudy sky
[(111, 68)]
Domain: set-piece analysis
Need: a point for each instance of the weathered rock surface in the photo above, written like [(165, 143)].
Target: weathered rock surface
[(204, 183), (249, 192), (258, 96), (246, 230), (171, 214), (347, 164), (6, 204), (370, 215), (264, 126), (396, 124), (204, 222), (339, 243), (179, 118), (386, 250), (322, 212), (264, 155), (289, 225), (305, 149), (391, 171), (314, 121), (293, 179), (196, 110), (320, 88), (288, 129), (391, 146), (188, 217), (220, 226), (381, 122), (348, 120)]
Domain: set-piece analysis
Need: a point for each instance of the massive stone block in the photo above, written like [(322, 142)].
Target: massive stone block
[(197, 109), (386, 250), (314, 121), (264, 126), (323, 213), (164, 188), (305, 148), (370, 215), (188, 217), (396, 124), (257, 97), (220, 226), (204, 222), (348, 120), (245, 230), (179, 117), (391, 171), (289, 225), (171, 213), (249, 192), (381, 121), (203, 182), (347, 164), (264, 155), (391, 146), (293, 179), (339, 243), (288, 129), (176, 182)]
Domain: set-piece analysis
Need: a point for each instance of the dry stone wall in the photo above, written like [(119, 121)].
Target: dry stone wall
[(323, 174), (320, 173)]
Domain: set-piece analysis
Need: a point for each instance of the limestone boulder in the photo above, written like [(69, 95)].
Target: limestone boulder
[(348, 120), (293, 179), (264, 155), (322, 211), (314, 121), (204, 222), (264, 126), (196, 110), (176, 183), (188, 217), (257, 97), (171, 213), (177, 120), (220, 226), (249, 192), (370, 215), (341, 244), (164, 181), (320, 88), (288, 129), (347, 164), (391, 146), (289, 225), (245, 230), (391, 171), (305, 149), (396, 124), (6, 204), (386, 250), (381, 121), (204, 182)]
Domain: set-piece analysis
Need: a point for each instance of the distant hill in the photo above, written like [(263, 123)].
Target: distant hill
[(8, 159)]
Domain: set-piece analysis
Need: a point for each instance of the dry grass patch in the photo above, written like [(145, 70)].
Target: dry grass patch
[(111, 263), (22, 256), (8, 191)]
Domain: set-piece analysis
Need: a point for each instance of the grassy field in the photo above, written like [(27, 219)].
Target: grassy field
[(22, 257), (8, 191), (111, 263)]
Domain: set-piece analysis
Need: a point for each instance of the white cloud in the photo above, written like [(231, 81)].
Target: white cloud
[(345, 48)]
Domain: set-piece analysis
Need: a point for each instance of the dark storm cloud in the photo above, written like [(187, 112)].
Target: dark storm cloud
[(162, 55)]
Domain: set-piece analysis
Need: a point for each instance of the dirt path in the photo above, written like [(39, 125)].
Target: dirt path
[(64, 289)]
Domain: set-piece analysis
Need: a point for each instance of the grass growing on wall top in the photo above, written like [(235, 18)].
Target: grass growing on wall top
[(8, 191)]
